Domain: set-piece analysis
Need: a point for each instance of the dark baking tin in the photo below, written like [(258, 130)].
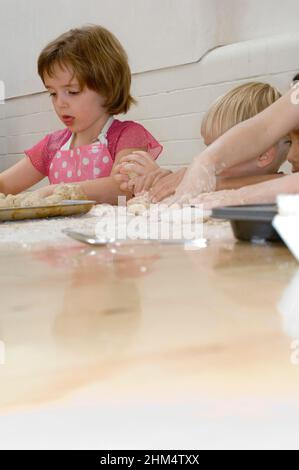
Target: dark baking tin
[(250, 223)]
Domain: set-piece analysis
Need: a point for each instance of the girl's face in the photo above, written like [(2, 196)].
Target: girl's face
[(293, 155), (79, 109)]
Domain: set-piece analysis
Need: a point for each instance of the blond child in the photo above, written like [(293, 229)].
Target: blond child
[(293, 154), (239, 104), (241, 144), (87, 75)]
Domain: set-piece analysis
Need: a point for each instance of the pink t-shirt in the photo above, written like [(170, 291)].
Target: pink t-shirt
[(121, 135)]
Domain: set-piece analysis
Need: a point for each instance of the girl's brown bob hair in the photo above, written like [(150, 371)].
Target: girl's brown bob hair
[(98, 61)]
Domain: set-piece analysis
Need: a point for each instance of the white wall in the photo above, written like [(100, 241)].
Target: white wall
[(156, 33), (173, 88), (251, 19), (171, 102)]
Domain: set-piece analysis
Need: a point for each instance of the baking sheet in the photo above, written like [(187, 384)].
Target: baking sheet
[(251, 222), (63, 209), (253, 212)]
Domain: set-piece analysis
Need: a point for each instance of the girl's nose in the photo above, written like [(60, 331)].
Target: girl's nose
[(290, 160), (60, 101), (291, 157)]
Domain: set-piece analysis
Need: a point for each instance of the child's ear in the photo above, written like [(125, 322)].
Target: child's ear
[(267, 158)]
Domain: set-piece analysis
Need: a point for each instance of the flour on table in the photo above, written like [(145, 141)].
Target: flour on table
[(36, 232), (141, 205), (33, 232)]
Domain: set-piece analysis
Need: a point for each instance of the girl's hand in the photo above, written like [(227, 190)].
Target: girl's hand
[(137, 163), (134, 166), (145, 183), (166, 186), (122, 180)]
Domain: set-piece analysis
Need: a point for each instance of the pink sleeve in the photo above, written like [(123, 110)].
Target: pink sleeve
[(134, 135), (42, 153), (38, 155)]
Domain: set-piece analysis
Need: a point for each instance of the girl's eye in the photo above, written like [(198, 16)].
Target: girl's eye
[(69, 92), (288, 142)]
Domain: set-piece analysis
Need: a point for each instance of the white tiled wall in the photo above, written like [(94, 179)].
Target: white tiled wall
[(171, 101)]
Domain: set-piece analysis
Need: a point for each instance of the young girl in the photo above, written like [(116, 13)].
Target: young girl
[(237, 105), (87, 75)]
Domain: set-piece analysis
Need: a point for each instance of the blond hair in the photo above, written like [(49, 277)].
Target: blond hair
[(98, 61), (239, 104)]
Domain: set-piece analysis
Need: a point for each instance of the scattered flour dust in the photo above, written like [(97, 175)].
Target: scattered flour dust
[(28, 233), (33, 231)]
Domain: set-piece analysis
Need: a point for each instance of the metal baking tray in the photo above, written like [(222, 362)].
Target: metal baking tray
[(252, 222), (65, 208)]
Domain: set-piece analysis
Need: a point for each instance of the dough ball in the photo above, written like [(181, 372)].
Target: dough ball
[(142, 199), (10, 200), (62, 191), (69, 191), (33, 198), (29, 199), (139, 204), (137, 209), (131, 174), (52, 200), (76, 192)]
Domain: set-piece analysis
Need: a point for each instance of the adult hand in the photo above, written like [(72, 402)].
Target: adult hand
[(146, 182), (232, 197), (199, 178), (166, 186)]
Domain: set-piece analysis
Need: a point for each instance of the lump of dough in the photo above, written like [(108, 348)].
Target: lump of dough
[(52, 200), (33, 198), (10, 201), (29, 199), (139, 204), (77, 193), (143, 198), (69, 191), (137, 209), (130, 174)]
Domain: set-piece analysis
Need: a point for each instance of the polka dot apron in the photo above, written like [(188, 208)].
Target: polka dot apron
[(87, 162)]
